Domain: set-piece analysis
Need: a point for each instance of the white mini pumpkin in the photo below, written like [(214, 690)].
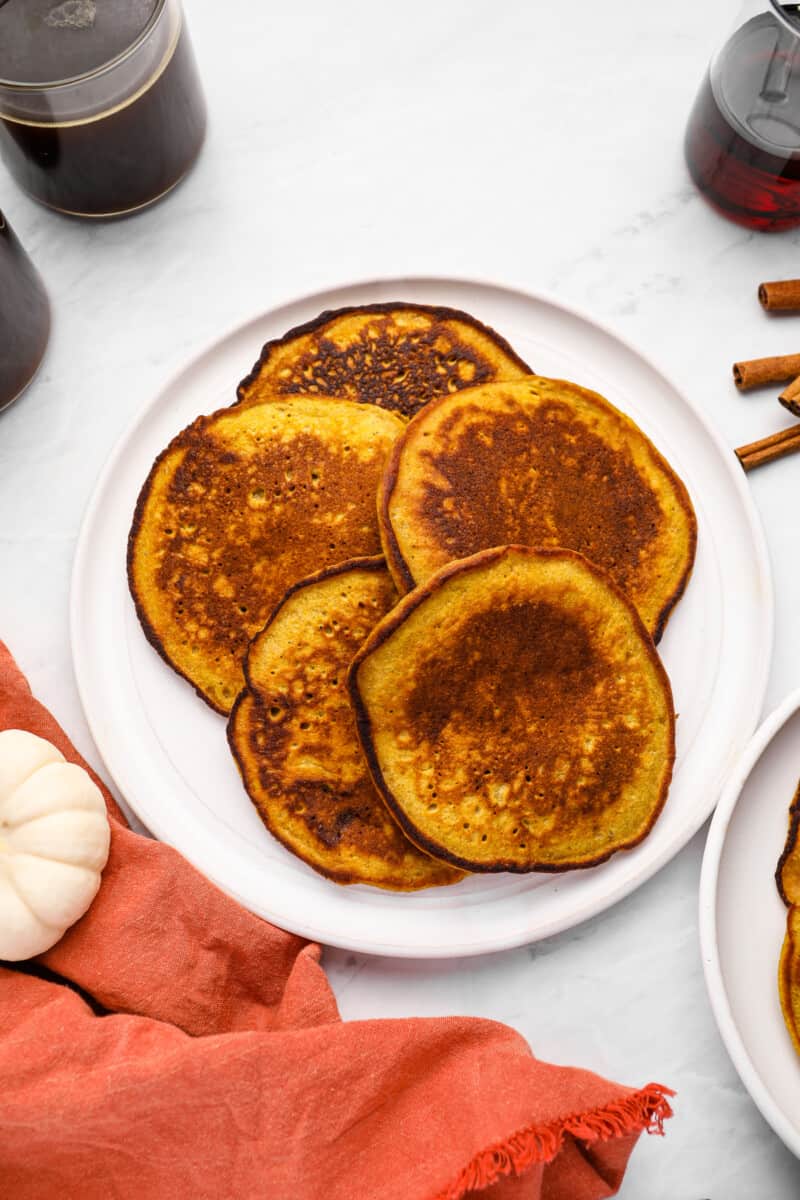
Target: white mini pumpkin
[(54, 839)]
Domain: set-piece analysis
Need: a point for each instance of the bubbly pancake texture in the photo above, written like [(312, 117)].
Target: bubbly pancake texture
[(293, 734), (395, 355), (540, 462), (515, 714), (240, 506)]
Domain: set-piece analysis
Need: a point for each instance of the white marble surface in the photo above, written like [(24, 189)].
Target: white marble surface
[(537, 145)]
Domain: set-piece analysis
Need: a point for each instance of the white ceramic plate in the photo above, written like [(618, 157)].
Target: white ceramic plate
[(167, 752), (743, 920)]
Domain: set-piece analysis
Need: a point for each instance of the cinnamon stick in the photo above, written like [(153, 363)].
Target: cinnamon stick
[(755, 372), (790, 397), (780, 295), (757, 454)]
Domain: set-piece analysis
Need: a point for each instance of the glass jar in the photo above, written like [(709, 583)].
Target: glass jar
[(743, 139), (118, 132), (24, 317)]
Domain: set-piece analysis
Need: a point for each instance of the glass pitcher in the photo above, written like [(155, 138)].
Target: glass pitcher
[(743, 139)]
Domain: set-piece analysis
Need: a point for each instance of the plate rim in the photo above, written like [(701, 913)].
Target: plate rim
[(740, 773), (762, 567)]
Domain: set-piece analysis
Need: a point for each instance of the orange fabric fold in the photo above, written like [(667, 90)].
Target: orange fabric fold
[(174, 1045)]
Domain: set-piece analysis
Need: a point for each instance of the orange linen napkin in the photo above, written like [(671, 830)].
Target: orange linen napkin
[(174, 1046)]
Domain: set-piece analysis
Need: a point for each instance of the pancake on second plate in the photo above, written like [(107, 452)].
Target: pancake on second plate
[(292, 732), (789, 976), (787, 873), (237, 508), (787, 877), (515, 714), (396, 355), (540, 462)]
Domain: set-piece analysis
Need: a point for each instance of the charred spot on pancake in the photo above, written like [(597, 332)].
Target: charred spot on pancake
[(385, 369), (293, 734), (515, 714), (395, 355)]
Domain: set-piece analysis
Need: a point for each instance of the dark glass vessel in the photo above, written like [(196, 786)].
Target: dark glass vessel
[(743, 138), (24, 317), (120, 135)]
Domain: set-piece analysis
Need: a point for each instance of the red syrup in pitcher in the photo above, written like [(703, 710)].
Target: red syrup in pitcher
[(743, 139)]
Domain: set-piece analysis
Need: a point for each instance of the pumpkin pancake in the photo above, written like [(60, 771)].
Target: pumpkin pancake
[(293, 734), (396, 355), (787, 875), (789, 976), (237, 508), (540, 462), (515, 714)]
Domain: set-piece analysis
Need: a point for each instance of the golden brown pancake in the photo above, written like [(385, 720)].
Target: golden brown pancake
[(787, 875), (396, 355), (789, 976), (237, 508), (515, 714), (293, 734), (540, 462)]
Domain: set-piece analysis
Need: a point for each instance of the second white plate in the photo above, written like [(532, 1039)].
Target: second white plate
[(743, 919), (167, 752)]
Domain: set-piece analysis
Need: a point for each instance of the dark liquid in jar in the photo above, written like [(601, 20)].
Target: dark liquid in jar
[(115, 161), (24, 317), (743, 141)]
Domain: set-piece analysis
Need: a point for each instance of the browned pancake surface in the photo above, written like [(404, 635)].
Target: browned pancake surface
[(544, 463), (516, 715), (240, 506), (789, 976), (787, 877), (294, 737), (395, 355), (787, 874)]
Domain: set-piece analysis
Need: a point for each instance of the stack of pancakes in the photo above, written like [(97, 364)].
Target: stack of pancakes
[(426, 585)]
